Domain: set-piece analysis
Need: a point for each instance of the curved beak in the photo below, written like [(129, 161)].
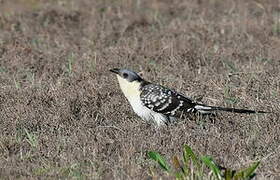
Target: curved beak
[(115, 70)]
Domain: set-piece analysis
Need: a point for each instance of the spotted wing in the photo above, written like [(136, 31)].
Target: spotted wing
[(166, 101)]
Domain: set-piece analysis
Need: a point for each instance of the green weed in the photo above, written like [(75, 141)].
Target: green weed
[(230, 65), (70, 62), (193, 166), (17, 84), (228, 97), (31, 138)]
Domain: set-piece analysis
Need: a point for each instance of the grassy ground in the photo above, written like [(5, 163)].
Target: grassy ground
[(62, 114)]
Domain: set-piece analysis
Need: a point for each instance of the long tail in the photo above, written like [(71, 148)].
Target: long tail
[(204, 109)]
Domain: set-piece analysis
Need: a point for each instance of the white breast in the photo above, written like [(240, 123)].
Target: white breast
[(145, 113), (132, 93)]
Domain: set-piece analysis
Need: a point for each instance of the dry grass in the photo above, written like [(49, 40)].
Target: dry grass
[(62, 114)]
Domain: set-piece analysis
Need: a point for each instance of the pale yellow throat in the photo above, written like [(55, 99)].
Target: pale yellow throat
[(130, 89)]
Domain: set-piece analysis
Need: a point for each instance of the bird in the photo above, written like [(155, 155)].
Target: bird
[(159, 104)]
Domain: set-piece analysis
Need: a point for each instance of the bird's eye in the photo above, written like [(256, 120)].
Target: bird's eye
[(125, 75)]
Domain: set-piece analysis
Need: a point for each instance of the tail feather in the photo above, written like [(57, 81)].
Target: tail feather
[(204, 109)]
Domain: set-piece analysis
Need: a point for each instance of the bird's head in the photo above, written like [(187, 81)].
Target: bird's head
[(129, 81), (127, 75)]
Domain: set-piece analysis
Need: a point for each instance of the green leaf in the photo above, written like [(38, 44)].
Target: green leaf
[(159, 159), (194, 158), (185, 156), (213, 167), (247, 173), (179, 175), (229, 174), (31, 139)]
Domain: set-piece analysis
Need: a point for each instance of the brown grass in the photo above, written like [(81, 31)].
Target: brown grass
[(55, 84)]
